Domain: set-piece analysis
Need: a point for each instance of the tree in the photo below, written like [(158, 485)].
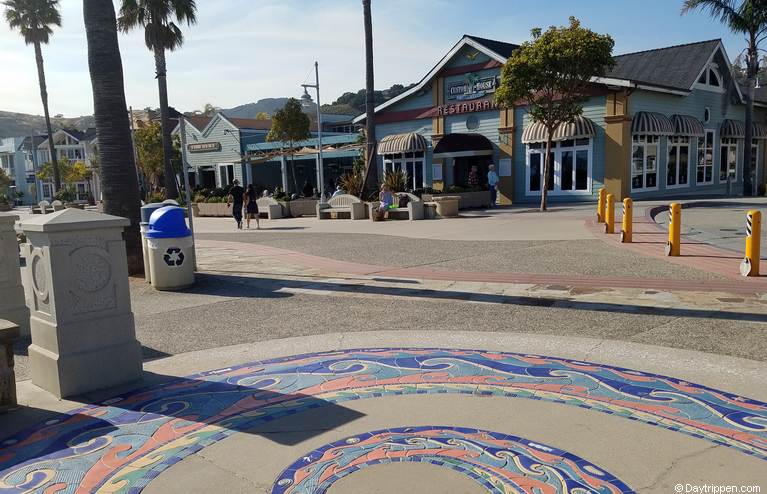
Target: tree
[(33, 19), (371, 164), (5, 183), (290, 124), (161, 33), (748, 17), (262, 115), (148, 141), (118, 169), (550, 75)]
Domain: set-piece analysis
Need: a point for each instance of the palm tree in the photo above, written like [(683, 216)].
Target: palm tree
[(371, 166), (33, 19), (116, 162), (748, 17), (160, 34)]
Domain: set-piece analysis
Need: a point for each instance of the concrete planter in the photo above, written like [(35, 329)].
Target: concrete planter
[(75, 205), (212, 209), (468, 200), (302, 207), (4, 206), (446, 206)]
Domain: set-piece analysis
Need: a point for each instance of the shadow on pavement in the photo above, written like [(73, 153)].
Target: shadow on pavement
[(252, 287)]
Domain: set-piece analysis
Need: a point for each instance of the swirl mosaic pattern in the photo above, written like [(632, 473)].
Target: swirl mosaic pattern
[(498, 462), (123, 443)]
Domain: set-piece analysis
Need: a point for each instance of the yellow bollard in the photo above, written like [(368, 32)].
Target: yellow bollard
[(601, 205), (750, 264), (673, 247), (609, 214), (627, 230)]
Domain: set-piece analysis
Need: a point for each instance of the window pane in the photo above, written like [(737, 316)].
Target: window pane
[(410, 171), (567, 144), (651, 166), (713, 80), (567, 170), (582, 170), (418, 175), (582, 142), (535, 171), (637, 167), (671, 166), (684, 163), (702, 78), (723, 152)]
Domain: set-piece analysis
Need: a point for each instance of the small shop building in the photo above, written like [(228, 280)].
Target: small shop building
[(665, 122)]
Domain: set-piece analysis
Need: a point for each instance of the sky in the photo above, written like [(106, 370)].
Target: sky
[(241, 51)]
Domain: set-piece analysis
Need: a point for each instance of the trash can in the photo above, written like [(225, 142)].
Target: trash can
[(170, 245), (146, 213)]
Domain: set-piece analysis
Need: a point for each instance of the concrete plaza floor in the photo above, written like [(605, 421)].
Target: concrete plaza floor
[(343, 355)]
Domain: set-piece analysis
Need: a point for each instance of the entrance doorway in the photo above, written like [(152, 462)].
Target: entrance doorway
[(467, 151)]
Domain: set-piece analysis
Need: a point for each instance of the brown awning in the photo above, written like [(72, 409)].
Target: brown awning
[(579, 128), (411, 142)]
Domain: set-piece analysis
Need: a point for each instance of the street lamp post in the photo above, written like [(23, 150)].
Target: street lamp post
[(320, 171)]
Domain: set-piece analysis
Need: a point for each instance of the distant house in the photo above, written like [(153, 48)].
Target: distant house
[(13, 164), (73, 145)]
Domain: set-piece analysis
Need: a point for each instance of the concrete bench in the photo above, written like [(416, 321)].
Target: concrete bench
[(9, 333), (269, 207), (413, 211), (344, 204)]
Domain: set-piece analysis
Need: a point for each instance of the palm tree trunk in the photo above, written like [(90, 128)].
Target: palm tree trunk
[(171, 190), (293, 173), (371, 164), (547, 164), (44, 97), (118, 169), (752, 67)]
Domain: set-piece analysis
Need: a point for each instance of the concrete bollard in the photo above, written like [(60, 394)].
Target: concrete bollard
[(9, 333), (673, 246), (609, 214), (13, 307), (627, 226), (750, 264), (601, 205), (76, 279)]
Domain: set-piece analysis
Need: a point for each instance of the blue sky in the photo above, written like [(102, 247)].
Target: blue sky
[(244, 50)]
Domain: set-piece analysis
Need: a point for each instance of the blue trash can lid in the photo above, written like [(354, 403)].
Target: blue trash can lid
[(168, 222), (148, 209)]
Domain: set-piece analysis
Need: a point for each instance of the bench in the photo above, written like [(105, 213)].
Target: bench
[(344, 204), (269, 207), (413, 211)]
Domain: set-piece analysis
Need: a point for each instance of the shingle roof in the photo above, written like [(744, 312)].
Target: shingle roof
[(674, 67), (500, 47)]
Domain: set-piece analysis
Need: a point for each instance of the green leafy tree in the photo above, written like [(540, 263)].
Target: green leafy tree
[(289, 125), (262, 115), (5, 184), (550, 74), (161, 33), (149, 150), (747, 17), (33, 19)]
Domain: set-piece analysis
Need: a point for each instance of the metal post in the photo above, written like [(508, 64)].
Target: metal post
[(610, 214), (185, 173), (673, 247), (750, 264), (627, 230), (601, 205), (320, 165)]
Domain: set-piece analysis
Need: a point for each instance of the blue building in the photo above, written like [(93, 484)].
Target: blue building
[(664, 122)]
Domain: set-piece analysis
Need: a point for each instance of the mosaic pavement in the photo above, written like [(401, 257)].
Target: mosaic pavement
[(122, 444)]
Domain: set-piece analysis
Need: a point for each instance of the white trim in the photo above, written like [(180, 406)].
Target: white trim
[(657, 89), (657, 144), (669, 145), (702, 144), (737, 159), (720, 46), (464, 154), (557, 151)]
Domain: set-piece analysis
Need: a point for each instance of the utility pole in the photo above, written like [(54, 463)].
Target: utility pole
[(188, 193), (320, 164)]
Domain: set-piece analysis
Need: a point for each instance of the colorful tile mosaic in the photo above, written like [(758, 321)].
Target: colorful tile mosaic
[(123, 443), (499, 462)]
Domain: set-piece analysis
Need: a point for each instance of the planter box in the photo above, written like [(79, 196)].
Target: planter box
[(468, 200), (5, 207), (212, 209), (302, 207)]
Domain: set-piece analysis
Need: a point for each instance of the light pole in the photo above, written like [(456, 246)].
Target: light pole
[(320, 174)]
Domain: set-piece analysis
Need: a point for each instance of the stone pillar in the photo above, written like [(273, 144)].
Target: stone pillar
[(83, 333), (9, 332), (12, 304), (506, 147), (617, 145)]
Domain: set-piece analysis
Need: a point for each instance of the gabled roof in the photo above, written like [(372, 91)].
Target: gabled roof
[(81, 135), (199, 123), (673, 67), (32, 142), (500, 47)]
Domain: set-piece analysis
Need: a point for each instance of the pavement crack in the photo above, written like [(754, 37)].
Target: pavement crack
[(235, 473), (674, 463)]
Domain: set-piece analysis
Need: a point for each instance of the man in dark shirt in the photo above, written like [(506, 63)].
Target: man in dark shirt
[(235, 198)]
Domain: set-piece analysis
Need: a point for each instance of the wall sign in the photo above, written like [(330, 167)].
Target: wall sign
[(473, 106), (204, 147), (473, 87)]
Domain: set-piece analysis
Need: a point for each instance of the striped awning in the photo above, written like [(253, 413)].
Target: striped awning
[(760, 130), (733, 128), (579, 128), (402, 143), (685, 125), (651, 123)]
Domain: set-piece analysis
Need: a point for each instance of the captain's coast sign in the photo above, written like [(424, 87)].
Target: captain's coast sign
[(472, 87)]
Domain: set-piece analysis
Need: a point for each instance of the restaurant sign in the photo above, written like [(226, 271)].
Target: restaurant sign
[(204, 147), (472, 87), (468, 107)]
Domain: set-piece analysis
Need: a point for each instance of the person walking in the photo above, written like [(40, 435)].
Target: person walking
[(234, 199), (492, 184), (251, 207)]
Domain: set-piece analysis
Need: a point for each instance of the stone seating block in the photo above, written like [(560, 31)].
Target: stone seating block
[(9, 333)]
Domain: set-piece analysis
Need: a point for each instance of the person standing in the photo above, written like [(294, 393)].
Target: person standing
[(251, 207), (473, 177), (492, 184), (236, 194)]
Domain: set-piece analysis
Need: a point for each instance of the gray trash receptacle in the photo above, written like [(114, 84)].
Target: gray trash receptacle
[(170, 246)]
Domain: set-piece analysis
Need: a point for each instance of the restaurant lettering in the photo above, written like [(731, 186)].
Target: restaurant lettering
[(204, 147), (468, 107)]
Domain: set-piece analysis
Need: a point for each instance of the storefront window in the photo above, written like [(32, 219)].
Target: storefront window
[(705, 173), (644, 162), (728, 158), (411, 163), (570, 170), (678, 164)]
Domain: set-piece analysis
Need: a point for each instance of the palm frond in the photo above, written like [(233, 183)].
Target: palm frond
[(33, 18)]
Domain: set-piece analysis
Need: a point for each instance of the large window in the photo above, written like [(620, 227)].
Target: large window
[(410, 163), (728, 159), (644, 162), (678, 164), (705, 173), (571, 166)]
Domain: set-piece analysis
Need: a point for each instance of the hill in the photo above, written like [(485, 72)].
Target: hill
[(21, 124)]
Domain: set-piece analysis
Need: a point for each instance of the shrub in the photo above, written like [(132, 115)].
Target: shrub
[(396, 180), (3, 199), (155, 197), (65, 195)]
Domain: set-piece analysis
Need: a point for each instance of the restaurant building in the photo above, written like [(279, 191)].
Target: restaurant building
[(664, 122)]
